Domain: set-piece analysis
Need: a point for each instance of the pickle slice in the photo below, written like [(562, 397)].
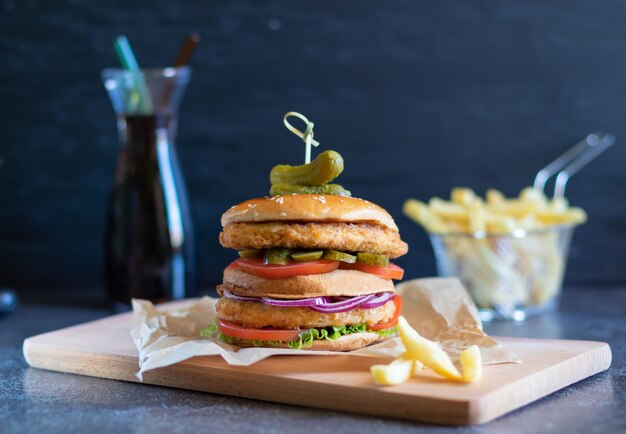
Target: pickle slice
[(277, 256), (332, 189), (335, 255), (251, 254), (373, 259), (307, 256), (327, 166)]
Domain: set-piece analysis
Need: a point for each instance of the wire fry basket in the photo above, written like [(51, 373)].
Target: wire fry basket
[(508, 276), (517, 274)]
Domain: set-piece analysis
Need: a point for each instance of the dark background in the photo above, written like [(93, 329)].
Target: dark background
[(417, 96)]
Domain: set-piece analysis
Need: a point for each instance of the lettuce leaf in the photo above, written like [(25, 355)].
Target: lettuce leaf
[(209, 330), (388, 332), (307, 337)]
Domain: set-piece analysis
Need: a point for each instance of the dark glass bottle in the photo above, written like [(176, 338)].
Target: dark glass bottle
[(149, 248)]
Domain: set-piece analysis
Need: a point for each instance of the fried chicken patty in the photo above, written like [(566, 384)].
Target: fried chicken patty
[(348, 237), (350, 283), (258, 315)]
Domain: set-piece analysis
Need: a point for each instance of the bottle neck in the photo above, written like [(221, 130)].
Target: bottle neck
[(139, 133)]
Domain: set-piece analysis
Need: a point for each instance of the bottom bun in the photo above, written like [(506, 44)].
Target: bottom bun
[(349, 342)]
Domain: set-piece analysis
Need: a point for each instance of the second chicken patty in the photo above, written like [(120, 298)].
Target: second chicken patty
[(258, 315), (348, 237)]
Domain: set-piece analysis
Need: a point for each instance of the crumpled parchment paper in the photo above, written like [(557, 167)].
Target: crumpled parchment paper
[(439, 309)]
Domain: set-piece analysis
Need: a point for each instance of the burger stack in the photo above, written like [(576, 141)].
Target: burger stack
[(313, 273)]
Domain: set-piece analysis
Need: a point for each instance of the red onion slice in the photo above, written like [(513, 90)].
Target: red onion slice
[(379, 300), (239, 297), (342, 306), (302, 302), (322, 304)]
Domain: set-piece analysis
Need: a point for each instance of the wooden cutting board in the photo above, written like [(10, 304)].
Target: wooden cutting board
[(105, 349)]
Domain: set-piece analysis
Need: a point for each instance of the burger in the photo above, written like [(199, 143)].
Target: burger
[(313, 273)]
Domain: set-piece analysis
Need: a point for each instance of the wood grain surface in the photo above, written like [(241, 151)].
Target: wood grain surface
[(105, 349)]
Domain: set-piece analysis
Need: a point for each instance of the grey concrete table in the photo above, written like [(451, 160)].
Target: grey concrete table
[(35, 401)]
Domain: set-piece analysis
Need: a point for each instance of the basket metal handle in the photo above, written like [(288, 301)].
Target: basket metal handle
[(572, 160)]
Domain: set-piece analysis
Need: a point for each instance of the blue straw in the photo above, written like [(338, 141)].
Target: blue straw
[(140, 100)]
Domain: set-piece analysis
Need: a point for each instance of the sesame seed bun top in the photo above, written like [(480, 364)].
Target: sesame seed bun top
[(308, 208)]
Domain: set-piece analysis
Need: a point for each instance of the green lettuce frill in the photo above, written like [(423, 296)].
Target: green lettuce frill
[(306, 337)]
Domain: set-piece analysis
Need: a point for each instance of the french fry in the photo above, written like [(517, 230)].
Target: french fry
[(558, 204), (471, 361), (516, 208), (546, 284), (530, 194), (477, 216), (494, 196), (457, 226), (500, 225), (420, 212), (572, 215), (396, 372), (462, 196), (427, 352), (528, 222), (448, 210)]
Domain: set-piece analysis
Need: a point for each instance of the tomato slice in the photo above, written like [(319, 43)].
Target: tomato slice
[(238, 331), (392, 271), (231, 266), (394, 321), (257, 268)]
